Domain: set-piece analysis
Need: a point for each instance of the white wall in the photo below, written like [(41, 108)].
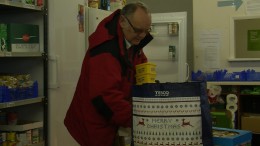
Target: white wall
[(207, 16)]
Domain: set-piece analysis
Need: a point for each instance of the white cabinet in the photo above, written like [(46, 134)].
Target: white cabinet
[(168, 49), (30, 112)]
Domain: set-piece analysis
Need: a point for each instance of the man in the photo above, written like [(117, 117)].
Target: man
[(101, 103)]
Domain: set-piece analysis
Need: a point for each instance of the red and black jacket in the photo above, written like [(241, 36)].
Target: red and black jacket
[(101, 102)]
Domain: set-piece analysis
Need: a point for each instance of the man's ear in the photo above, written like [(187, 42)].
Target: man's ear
[(122, 22)]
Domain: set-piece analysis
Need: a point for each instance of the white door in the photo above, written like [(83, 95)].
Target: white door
[(168, 48), (93, 18)]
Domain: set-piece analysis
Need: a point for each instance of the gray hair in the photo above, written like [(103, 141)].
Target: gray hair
[(130, 8)]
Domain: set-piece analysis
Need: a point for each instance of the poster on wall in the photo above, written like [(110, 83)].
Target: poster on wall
[(80, 18), (253, 40), (210, 43)]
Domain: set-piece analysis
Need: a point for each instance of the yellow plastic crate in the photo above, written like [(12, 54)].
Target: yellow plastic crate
[(145, 68), (145, 78)]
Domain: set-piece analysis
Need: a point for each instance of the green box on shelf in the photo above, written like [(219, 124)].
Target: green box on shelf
[(221, 119), (19, 37)]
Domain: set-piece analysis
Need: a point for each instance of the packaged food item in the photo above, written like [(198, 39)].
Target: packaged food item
[(3, 119), (93, 3), (16, 37), (145, 68), (145, 73), (11, 136)]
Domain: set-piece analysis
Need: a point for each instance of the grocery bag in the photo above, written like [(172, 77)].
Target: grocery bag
[(171, 114)]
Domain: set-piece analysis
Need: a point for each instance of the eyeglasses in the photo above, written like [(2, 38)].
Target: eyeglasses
[(137, 30)]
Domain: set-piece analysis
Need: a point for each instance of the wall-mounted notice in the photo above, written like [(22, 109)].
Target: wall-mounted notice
[(253, 6), (210, 43)]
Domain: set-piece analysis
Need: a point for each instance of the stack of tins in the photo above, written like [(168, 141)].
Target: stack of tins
[(145, 73)]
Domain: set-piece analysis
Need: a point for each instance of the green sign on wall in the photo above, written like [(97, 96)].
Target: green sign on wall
[(253, 40)]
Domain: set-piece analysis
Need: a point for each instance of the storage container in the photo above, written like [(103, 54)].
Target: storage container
[(145, 78), (19, 93), (146, 68), (252, 75), (231, 137), (251, 123)]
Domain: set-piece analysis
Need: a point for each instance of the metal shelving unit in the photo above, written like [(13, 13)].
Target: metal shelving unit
[(19, 5), (21, 102), (32, 111), (21, 54), (243, 103), (233, 83)]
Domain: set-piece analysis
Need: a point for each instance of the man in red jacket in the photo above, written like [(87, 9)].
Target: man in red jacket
[(102, 100)]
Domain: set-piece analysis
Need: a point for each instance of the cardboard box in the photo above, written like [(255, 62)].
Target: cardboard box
[(231, 137), (19, 37), (251, 123)]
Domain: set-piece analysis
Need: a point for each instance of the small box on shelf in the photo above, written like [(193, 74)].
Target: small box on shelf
[(250, 122), (19, 37), (221, 119)]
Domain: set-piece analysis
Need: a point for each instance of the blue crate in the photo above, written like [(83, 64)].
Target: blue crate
[(252, 75), (13, 94), (224, 75), (202, 76), (219, 75)]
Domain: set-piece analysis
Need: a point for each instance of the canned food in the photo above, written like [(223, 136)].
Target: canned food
[(3, 135), (11, 136), (11, 143), (5, 143)]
